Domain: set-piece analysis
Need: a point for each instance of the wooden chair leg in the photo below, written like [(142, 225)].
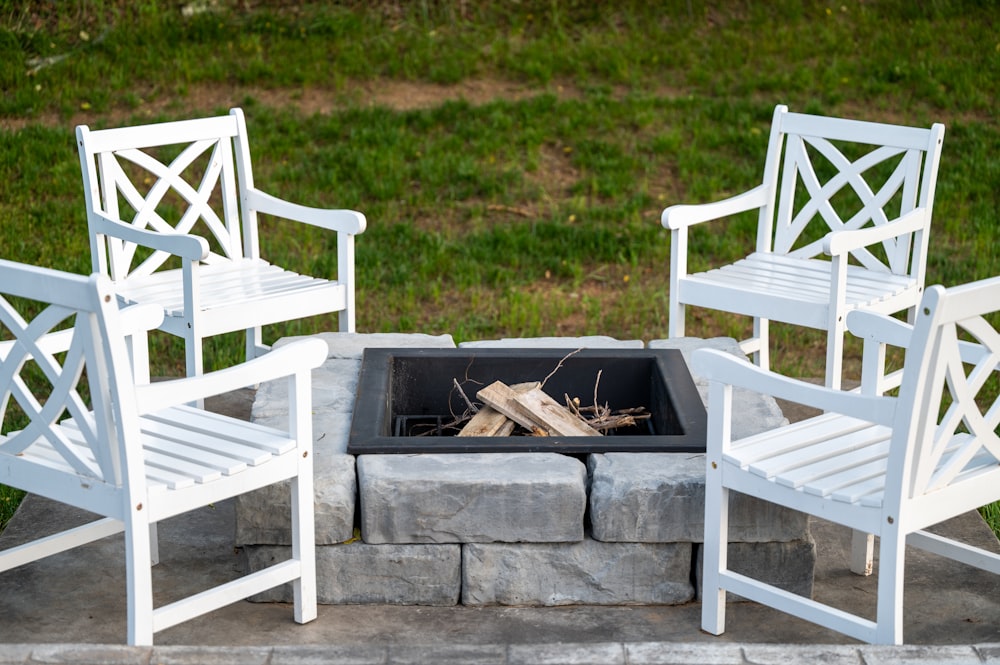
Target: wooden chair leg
[(154, 544), (862, 552), (254, 343), (889, 614), (714, 559), (193, 355), (304, 548), (675, 319), (194, 361), (835, 354), (762, 332), (139, 582)]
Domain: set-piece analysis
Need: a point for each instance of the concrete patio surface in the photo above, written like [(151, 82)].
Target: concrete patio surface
[(71, 608)]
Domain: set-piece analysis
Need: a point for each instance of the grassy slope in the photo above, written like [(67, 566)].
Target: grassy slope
[(527, 215)]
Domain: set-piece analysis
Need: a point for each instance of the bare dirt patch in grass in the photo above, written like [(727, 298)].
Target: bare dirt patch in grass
[(209, 98)]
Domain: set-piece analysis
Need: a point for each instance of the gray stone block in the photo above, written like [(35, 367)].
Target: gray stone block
[(447, 654), (359, 574), (208, 655), (789, 566), (464, 498), (591, 653), (827, 654), (660, 498), (263, 517), (96, 654), (584, 573), (333, 394), (686, 653), (754, 412), (586, 342), (352, 345), (328, 654), (334, 384)]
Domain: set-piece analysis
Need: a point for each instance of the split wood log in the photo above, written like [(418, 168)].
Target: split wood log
[(490, 422), (534, 410)]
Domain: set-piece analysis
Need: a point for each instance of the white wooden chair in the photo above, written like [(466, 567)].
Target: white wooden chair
[(172, 214), (136, 455), (889, 466), (861, 193)]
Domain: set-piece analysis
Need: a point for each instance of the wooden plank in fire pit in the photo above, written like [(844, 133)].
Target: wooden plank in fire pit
[(534, 410)]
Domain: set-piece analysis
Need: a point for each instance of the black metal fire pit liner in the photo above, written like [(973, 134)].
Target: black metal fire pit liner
[(417, 382)]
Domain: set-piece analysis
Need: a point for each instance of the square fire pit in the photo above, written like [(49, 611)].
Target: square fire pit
[(405, 397)]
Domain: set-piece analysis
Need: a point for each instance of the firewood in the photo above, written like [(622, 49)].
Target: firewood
[(502, 397), (552, 415), (533, 410), (488, 422)]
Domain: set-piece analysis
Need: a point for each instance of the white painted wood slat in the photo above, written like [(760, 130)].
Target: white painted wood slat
[(807, 280), (225, 285), (251, 435), (749, 451), (224, 446), (199, 472), (819, 452), (201, 458)]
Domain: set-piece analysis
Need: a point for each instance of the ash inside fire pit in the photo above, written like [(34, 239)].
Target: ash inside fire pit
[(407, 398)]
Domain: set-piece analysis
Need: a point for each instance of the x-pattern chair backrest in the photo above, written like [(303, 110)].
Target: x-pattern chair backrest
[(954, 406), (968, 428), (198, 190), (29, 345), (854, 174)]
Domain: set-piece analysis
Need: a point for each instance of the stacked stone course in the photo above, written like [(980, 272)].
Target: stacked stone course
[(537, 529)]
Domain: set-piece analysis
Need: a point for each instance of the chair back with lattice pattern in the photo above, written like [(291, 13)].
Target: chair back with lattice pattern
[(840, 174), (951, 397), (172, 177), (57, 362)]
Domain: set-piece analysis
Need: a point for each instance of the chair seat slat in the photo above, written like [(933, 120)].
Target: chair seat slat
[(252, 435), (221, 450), (786, 467), (228, 285), (200, 473), (752, 450), (806, 280), (183, 451)]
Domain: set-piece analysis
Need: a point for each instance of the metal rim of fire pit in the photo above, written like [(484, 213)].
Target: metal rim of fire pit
[(385, 378)]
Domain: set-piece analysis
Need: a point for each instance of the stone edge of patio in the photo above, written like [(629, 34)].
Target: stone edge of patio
[(598, 653)]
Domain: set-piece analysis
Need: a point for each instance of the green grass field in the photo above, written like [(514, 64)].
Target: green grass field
[(512, 158)]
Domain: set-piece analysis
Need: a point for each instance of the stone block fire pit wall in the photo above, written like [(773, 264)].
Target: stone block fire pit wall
[(512, 528)]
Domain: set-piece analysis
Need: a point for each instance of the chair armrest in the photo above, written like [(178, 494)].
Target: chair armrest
[(301, 355), (887, 330), (140, 318), (840, 242), (184, 245), (715, 365), (343, 221), (679, 216), (879, 328)]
